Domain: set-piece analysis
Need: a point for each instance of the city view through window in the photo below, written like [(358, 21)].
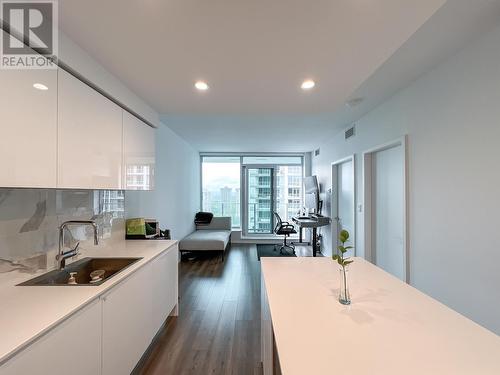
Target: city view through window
[(274, 185), (221, 187)]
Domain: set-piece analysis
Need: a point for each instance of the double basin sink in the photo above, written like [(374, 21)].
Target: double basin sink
[(83, 269)]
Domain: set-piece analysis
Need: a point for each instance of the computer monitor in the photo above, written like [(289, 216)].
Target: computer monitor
[(311, 202), (311, 185), (311, 193)]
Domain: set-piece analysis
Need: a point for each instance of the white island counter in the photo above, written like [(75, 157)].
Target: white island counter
[(390, 328)]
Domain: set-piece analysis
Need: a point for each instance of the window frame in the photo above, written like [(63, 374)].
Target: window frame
[(239, 155)]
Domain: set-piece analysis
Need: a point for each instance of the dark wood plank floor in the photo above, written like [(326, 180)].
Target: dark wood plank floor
[(218, 328)]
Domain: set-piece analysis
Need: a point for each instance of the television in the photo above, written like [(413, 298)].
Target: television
[(311, 194)]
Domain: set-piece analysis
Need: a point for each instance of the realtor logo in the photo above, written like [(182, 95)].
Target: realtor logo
[(30, 39)]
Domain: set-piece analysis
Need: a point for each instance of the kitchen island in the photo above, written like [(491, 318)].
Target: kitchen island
[(390, 327)]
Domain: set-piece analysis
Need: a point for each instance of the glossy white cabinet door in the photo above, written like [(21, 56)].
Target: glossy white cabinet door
[(126, 314), (138, 154), (165, 276), (89, 137), (71, 348), (28, 125)]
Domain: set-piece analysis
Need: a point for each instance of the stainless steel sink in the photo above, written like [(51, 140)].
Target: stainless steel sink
[(83, 268)]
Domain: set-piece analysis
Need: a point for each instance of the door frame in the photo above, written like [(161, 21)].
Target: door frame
[(334, 195), (244, 211), (368, 209)]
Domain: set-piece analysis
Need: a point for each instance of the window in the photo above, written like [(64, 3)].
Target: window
[(221, 187), (270, 183), (289, 190)]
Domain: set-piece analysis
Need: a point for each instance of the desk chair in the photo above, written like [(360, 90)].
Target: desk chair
[(285, 229)]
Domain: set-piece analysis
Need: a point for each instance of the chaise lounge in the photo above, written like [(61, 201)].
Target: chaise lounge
[(215, 236)]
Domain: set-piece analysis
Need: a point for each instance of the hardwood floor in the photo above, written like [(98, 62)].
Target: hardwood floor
[(218, 328)]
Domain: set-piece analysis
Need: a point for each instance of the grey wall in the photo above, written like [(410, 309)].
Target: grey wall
[(176, 197), (452, 118)]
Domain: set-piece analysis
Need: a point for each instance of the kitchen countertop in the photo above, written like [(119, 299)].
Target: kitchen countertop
[(26, 312), (390, 327)]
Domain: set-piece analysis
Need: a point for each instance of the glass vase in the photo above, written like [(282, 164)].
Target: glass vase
[(344, 294)]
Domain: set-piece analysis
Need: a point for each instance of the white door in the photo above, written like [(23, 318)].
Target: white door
[(388, 212), (343, 202)]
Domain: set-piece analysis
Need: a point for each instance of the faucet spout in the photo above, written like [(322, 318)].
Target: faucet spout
[(62, 255)]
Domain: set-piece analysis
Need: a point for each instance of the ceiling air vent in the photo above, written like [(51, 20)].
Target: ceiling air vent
[(349, 132), (316, 152)]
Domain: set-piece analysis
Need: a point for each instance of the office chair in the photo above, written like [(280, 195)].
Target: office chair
[(285, 229)]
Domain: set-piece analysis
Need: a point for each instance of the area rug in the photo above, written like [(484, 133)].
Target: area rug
[(266, 250)]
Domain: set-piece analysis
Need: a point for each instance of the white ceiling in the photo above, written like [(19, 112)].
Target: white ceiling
[(254, 55)]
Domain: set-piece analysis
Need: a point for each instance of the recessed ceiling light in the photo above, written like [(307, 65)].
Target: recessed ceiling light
[(201, 85), (307, 84), (40, 86)]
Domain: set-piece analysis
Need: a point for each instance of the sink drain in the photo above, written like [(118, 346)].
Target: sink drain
[(96, 276)]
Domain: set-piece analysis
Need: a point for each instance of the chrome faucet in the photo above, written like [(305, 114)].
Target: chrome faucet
[(63, 255)]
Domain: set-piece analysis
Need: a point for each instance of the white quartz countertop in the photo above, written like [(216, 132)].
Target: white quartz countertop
[(26, 312), (390, 328)]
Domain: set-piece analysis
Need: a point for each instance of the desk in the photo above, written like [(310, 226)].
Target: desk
[(314, 222)]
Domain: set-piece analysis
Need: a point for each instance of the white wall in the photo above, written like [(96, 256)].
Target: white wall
[(452, 118), (176, 197)]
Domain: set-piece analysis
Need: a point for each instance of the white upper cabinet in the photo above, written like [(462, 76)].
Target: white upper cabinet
[(89, 137), (28, 123), (138, 154)]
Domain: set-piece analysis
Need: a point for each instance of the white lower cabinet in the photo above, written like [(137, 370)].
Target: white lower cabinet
[(165, 276), (73, 347), (126, 322)]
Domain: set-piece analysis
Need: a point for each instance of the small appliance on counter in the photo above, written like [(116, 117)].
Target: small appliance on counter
[(145, 229), (140, 228)]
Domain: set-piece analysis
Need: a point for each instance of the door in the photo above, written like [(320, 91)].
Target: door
[(259, 200), (343, 210), (388, 210)]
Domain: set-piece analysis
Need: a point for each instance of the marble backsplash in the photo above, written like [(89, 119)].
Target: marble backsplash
[(30, 218)]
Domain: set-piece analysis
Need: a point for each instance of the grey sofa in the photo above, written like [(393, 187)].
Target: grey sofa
[(215, 236)]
